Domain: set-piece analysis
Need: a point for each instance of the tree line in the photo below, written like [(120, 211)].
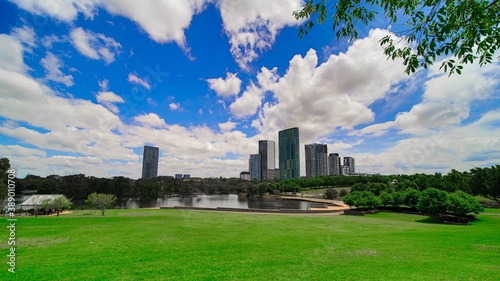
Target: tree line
[(477, 181), (432, 201)]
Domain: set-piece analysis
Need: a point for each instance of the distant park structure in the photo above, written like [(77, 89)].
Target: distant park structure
[(46, 204)]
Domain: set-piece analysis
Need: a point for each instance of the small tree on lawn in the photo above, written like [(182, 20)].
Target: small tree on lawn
[(343, 193), (61, 203), (101, 201), (331, 193)]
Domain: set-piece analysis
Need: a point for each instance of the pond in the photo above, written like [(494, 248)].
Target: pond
[(205, 201)]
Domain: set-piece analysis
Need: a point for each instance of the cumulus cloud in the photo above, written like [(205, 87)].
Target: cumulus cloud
[(58, 127), (52, 66), (150, 120), (95, 45), (227, 126), (133, 78), (336, 94), (11, 54), (447, 100), (227, 87), (164, 21), (252, 26), (248, 103)]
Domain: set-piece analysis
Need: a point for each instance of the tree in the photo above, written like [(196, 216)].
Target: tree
[(385, 198), (262, 189), (411, 197), (397, 199), (462, 204), (331, 193), (433, 201), (362, 199), (101, 201), (468, 30), (486, 182), (343, 193), (61, 203), (57, 204)]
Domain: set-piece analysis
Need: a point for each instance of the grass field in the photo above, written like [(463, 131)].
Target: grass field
[(196, 245)]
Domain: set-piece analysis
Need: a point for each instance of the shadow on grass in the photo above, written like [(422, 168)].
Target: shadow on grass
[(433, 220)]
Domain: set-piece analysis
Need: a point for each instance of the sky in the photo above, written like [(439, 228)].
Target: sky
[(84, 85)]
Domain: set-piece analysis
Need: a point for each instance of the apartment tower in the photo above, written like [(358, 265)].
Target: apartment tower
[(150, 162), (289, 155), (316, 160)]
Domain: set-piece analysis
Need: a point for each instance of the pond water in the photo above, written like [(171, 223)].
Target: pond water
[(214, 201), (205, 201)]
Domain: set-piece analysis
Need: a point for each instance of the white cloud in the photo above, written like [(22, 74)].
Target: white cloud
[(226, 87), (109, 99), (52, 66), (63, 10), (248, 103), (104, 84), (374, 130), (95, 45), (164, 21), (252, 25), (25, 35), (453, 147), (175, 106), (57, 127), (11, 54), (227, 126), (447, 100), (132, 78), (335, 94), (150, 120)]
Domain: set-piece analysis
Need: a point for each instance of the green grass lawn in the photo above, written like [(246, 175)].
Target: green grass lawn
[(196, 245)]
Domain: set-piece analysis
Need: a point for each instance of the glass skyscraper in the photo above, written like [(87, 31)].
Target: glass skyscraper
[(316, 159), (254, 167), (289, 154), (150, 162)]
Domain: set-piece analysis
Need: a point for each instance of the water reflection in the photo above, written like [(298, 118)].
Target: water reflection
[(205, 201)]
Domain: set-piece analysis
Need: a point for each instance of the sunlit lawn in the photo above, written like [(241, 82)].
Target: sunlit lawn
[(197, 245)]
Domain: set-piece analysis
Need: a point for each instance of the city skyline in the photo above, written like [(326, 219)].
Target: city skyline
[(83, 88)]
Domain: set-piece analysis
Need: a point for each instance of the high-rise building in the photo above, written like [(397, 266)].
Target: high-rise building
[(349, 162), (150, 162), (334, 165), (316, 160), (289, 154), (267, 156), (245, 176), (254, 167)]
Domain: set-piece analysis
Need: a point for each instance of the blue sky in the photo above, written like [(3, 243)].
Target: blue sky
[(84, 85)]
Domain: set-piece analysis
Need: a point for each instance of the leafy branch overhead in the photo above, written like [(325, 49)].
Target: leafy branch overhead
[(468, 31)]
